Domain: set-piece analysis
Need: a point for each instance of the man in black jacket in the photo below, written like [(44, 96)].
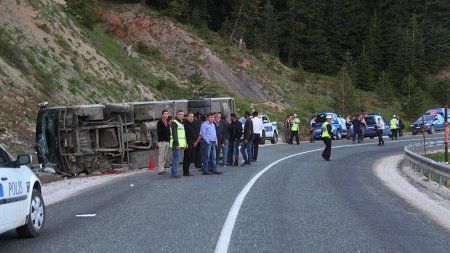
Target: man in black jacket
[(188, 157), (197, 150), (247, 142), (225, 129), (163, 130), (235, 136)]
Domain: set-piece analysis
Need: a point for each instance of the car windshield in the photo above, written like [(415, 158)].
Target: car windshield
[(370, 120), (321, 118), (426, 118)]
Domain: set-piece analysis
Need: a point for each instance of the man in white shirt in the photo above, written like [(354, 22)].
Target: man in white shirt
[(257, 130)]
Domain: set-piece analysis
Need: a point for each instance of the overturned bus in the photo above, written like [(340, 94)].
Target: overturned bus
[(99, 137)]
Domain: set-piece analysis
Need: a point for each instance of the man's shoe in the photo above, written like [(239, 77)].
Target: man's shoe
[(236, 164), (176, 176), (207, 173), (217, 172), (162, 173), (188, 175), (244, 164)]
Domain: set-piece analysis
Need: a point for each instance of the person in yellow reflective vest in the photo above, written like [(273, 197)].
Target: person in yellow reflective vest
[(295, 127), (327, 134), (177, 141), (394, 127)]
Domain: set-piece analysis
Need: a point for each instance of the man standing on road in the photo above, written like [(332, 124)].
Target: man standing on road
[(394, 126), (356, 128), (287, 128), (197, 150), (225, 128), (219, 133), (235, 136), (348, 125), (312, 127), (208, 133), (257, 130), (177, 142), (327, 134), (246, 148), (380, 129), (163, 131), (295, 127), (189, 150), (401, 126)]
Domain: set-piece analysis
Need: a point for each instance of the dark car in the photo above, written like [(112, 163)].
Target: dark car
[(431, 123)]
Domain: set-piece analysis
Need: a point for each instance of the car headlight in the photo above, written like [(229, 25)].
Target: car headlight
[(411, 126), (427, 124)]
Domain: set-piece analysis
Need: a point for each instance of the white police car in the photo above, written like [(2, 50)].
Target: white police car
[(21, 204)]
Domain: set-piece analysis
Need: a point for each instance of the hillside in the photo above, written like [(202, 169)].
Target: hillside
[(45, 55)]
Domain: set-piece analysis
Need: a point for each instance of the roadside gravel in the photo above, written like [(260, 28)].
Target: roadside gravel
[(60, 190)]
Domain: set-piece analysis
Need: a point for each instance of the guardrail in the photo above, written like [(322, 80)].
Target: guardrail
[(413, 155)]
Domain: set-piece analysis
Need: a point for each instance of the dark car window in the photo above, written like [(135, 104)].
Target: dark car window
[(425, 118), (370, 120), (4, 160)]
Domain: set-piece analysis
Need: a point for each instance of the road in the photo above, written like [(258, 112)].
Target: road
[(300, 204)]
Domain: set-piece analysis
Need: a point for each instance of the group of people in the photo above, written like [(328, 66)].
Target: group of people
[(203, 138), (292, 129)]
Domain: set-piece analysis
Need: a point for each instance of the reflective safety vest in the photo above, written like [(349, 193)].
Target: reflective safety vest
[(181, 135), (325, 133), (294, 125), (393, 123)]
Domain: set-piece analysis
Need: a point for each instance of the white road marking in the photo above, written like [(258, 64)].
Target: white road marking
[(86, 215), (227, 230)]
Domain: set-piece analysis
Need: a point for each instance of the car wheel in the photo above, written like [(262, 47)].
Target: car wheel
[(275, 138), (338, 135), (263, 138), (36, 217), (432, 130), (413, 133)]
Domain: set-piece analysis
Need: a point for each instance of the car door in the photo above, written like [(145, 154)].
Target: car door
[(267, 127), (13, 193), (439, 121)]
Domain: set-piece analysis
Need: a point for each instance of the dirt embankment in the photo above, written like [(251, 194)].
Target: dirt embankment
[(174, 43)]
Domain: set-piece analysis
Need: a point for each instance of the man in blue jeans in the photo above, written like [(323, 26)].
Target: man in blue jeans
[(208, 133), (177, 141), (235, 136), (247, 142)]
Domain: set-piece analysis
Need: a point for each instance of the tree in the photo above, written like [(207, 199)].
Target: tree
[(344, 93), (383, 89), (412, 101), (83, 11), (197, 85)]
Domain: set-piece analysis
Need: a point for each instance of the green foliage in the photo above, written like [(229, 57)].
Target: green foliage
[(62, 42), (197, 85), (144, 49), (83, 11), (412, 99), (11, 45)]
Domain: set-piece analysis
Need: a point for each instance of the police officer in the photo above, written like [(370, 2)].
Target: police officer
[(394, 126), (177, 141), (327, 134), (295, 125)]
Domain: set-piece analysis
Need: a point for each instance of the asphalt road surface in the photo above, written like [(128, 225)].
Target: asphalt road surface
[(300, 204)]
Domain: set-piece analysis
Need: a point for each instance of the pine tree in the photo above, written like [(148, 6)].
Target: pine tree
[(344, 93), (412, 101), (83, 11), (383, 89)]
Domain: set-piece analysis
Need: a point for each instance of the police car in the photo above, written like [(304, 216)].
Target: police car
[(338, 124), (21, 204)]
